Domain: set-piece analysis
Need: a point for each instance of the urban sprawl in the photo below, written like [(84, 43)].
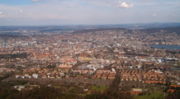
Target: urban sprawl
[(118, 57)]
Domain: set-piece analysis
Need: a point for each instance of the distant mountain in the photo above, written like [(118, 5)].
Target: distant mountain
[(90, 27)]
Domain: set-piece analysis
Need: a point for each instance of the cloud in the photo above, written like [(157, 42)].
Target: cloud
[(21, 11), (35, 0), (2, 14), (125, 4), (154, 14)]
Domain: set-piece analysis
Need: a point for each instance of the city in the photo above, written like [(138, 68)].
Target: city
[(89, 49), (31, 58)]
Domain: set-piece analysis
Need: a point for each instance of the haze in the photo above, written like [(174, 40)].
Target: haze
[(65, 12)]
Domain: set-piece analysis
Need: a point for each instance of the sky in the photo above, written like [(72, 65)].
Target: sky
[(88, 12)]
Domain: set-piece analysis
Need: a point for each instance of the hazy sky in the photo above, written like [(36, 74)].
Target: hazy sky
[(63, 12)]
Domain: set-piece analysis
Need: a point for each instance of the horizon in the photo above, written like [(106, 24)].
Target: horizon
[(127, 24)]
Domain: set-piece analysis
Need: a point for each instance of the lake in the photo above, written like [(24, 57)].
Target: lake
[(168, 47)]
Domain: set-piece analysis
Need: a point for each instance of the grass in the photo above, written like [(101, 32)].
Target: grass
[(100, 89), (152, 95)]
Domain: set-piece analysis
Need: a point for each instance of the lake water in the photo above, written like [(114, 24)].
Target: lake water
[(175, 68), (168, 47)]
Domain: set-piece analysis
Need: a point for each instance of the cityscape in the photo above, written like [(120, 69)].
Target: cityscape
[(94, 55), (131, 61)]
